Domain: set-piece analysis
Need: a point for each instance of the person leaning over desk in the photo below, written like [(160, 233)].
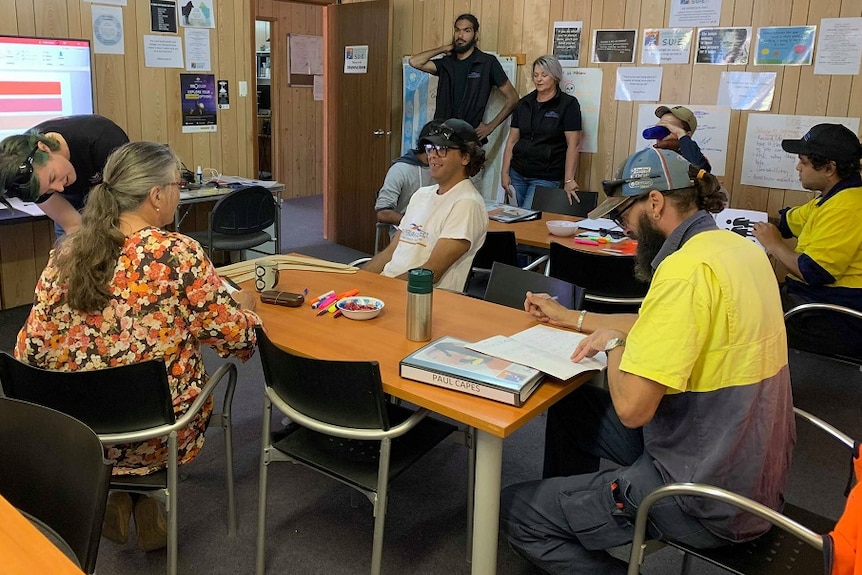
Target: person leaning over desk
[(826, 264), (120, 290), (699, 387), (445, 224), (544, 137), (56, 162)]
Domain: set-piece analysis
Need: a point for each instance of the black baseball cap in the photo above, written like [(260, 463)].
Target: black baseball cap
[(834, 142), (453, 133)]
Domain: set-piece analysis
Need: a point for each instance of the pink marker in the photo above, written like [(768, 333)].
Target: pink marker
[(586, 242)]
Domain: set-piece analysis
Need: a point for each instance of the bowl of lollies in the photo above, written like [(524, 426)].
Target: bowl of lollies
[(562, 228), (360, 307)]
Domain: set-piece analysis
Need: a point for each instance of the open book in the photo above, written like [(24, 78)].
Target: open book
[(544, 348), (508, 214)]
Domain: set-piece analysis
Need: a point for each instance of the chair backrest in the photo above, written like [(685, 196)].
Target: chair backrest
[(114, 400), (826, 329), (498, 247), (343, 393), (53, 468), (598, 274), (509, 284), (244, 211), (555, 201)]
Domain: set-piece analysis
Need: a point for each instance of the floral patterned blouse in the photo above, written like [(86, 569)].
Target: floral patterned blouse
[(167, 299)]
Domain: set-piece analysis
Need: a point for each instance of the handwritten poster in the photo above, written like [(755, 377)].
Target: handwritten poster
[(713, 123), (785, 45), (696, 14), (666, 45), (723, 46), (747, 90), (840, 48), (567, 43), (764, 162), (306, 54), (614, 46), (638, 84), (585, 84)]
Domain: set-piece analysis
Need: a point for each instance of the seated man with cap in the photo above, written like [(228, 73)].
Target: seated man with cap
[(681, 123), (692, 397), (826, 264), (445, 223)]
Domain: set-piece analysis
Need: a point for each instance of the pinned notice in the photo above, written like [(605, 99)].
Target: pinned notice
[(356, 59)]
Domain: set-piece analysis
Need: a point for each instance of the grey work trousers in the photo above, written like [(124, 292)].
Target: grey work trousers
[(564, 524)]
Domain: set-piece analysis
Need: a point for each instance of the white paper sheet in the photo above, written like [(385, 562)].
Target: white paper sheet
[(317, 89), (26, 207), (740, 222), (696, 14), (598, 224), (747, 90), (198, 50), (108, 30), (839, 50), (638, 84), (585, 84), (163, 51)]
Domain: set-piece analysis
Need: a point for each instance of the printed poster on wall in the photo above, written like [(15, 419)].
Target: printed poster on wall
[(840, 46), (764, 162), (723, 46), (614, 46), (638, 84), (567, 43), (197, 13), (108, 30), (747, 90), (666, 45), (198, 102), (163, 16), (356, 59), (785, 45), (697, 13)]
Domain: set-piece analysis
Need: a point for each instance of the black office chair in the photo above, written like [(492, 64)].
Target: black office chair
[(130, 403), (347, 430), (239, 221), (498, 247), (608, 281), (807, 322), (555, 201), (53, 468), (509, 284), (772, 553)]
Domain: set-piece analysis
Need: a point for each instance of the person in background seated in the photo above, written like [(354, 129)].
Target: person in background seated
[(466, 77), (406, 175), (56, 162), (826, 264), (692, 397), (544, 138), (445, 224), (120, 290), (681, 122)]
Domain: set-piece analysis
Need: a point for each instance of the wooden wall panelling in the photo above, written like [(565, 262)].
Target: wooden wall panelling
[(26, 16)]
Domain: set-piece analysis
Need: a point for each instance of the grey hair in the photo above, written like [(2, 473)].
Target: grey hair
[(551, 66)]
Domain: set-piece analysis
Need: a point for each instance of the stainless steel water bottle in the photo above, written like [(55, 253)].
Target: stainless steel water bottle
[(420, 288)]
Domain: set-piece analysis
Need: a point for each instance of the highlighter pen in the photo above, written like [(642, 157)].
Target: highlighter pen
[(586, 242), (337, 313), (321, 296), (348, 293), (324, 303)]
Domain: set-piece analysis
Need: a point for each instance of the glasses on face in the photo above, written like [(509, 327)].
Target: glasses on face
[(178, 183), (25, 172), (441, 151), (616, 215)]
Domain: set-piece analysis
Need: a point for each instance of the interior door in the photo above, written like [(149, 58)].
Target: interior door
[(356, 120)]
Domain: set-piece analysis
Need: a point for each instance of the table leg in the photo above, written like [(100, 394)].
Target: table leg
[(486, 510)]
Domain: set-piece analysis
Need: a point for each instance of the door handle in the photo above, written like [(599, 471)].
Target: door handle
[(379, 133)]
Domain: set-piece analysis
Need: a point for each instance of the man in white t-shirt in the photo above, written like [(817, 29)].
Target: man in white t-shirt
[(445, 224)]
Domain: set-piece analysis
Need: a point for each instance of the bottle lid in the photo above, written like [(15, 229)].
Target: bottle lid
[(420, 280)]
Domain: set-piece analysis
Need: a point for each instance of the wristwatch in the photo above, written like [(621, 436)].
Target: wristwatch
[(613, 343)]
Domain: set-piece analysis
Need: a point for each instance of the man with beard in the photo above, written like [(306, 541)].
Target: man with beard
[(466, 77), (698, 386)]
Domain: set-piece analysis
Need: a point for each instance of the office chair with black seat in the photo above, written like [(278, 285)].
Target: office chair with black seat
[(54, 470), (555, 201), (608, 281), (508, 286), (820, 328), (239, 221), (772, 553), (346, 430), (498, 247), (130, 403)]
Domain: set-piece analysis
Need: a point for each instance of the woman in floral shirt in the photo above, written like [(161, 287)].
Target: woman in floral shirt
[(122, 290)]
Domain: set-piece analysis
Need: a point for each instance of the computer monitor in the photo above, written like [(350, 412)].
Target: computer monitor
[(42, 78)]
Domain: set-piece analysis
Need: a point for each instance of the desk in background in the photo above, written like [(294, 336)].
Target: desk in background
[(383, 339), (535, 233)]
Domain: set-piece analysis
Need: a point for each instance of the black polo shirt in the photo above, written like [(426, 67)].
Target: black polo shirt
[(541, 150)]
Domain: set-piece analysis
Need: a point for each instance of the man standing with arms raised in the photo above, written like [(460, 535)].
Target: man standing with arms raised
[(466, 77)]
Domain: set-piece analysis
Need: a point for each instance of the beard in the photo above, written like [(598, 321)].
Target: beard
[(650, 240), (460, 49)]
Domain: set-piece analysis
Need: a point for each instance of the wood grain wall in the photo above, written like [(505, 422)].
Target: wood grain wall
[(297, 129), (526, 26), (146, 101)]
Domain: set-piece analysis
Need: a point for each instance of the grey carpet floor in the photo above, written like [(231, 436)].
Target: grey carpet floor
[(316, 525)]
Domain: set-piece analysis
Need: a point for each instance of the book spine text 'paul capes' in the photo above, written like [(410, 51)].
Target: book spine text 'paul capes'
[(459, 384)]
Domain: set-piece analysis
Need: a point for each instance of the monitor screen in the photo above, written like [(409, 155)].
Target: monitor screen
[(42, 78)]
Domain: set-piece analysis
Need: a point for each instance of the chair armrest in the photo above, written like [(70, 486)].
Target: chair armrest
[(716, 493), (228, 369), (345, 432), (845, 439), (359, 261), (539, 261), (822, 306)]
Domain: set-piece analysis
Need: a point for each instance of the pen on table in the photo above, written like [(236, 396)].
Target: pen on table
[(324, 303), (586, 242), (321, 297)]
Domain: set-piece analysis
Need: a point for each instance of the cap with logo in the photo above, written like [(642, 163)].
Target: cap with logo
[(834, 142), (644, 171), (453, 133), (680, 112)]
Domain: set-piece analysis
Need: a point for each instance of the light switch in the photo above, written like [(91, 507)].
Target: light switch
[(243, 89)]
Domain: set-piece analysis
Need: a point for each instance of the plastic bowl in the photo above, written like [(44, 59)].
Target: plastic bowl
[(360, 307), (563, 228)]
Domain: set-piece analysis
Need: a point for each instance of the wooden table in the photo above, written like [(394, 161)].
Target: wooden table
[(383, 339), (535, 233), (24, 550)]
